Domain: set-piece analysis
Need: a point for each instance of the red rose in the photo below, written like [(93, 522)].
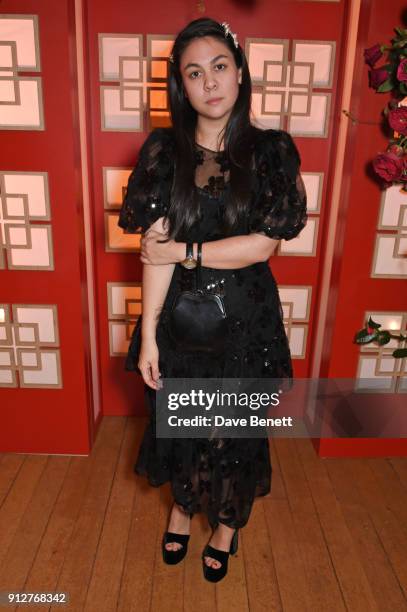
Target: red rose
[(396, 149), (370, 330), (398, 119), (372, 55), (389, 166), (402, 70), (377, 76)]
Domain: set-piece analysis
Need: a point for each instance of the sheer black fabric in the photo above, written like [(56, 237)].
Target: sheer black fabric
[(220, 477), (149, 184), (280, 208)]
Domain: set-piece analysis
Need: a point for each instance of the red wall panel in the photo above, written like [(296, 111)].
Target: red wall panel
[(122, 390), (353, 290), (63, 420), (52, 420)]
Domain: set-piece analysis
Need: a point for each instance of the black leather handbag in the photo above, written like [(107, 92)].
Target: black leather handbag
[(197, 320)]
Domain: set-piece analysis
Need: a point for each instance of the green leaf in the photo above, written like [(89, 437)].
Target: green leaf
[(399, 353), (383, 337), (393, 141), (403, 88), (373, 324), (386, 86), (400, 31), (362, 337)]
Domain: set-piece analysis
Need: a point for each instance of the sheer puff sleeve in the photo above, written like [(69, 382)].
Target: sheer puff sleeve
[(280, 209), (148, 188)]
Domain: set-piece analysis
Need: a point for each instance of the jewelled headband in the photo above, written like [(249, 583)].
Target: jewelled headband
[(227, 31)]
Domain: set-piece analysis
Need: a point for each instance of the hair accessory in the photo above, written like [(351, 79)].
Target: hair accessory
[(227, 29), (171, 58)]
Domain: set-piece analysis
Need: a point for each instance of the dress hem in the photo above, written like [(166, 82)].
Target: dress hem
[(192, 508)]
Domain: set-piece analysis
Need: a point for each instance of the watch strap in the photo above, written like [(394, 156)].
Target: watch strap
[(189, 250), (198, 265), (189, 262)]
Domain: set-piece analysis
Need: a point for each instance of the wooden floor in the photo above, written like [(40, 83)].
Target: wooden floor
[(331, 536)]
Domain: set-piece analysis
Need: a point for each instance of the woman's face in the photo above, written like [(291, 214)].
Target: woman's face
[(209, 73)]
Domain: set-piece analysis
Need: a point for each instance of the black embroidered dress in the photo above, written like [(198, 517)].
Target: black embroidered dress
[(220, 477)]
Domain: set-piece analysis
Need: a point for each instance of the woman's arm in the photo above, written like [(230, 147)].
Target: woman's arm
[(236, 251), (226, 253), (156, 280)]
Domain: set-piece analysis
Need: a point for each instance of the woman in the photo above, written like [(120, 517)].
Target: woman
[(216, 179)]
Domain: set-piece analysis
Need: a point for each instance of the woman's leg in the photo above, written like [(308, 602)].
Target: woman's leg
[(246, 474), (179, 523)]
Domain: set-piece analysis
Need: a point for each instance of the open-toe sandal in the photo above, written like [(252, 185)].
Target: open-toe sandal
[(171, 557), (215, 574)]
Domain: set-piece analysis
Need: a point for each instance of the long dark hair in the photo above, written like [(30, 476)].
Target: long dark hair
[(238, 136)]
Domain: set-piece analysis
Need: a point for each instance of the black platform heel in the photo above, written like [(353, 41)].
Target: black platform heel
[(171, 557), (212, 574)]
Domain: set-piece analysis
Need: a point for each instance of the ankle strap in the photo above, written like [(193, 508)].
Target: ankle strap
[(179, 538)]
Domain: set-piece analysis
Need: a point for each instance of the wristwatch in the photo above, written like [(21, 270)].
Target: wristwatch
[(189, 262), (199, 253)]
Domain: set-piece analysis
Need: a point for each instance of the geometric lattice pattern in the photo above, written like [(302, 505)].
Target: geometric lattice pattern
[(292, 83), (21, 106), (135, 98), (296, 304), (124, 308), (29, 338), (133, 94), (389, 258), (114, 190), (25, 242), (377, 368)]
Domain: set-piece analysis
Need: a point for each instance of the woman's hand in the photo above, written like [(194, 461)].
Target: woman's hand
[(148, 363), (156, 253)]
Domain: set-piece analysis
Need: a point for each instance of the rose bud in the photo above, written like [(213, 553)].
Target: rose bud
[(372, 55), (377, 76), (396, 149), (402, 70), (398, 120)]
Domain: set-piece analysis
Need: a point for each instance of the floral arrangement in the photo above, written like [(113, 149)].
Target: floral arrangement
[(372, 333), (392, 77), (392, 164)]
